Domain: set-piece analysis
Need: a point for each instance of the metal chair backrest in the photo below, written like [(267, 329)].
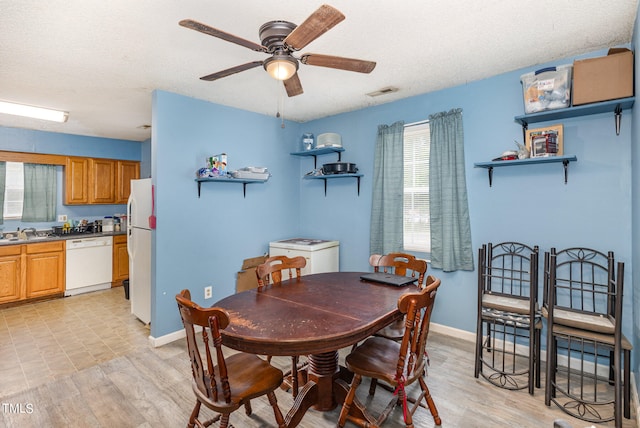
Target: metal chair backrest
[(509, 269), (583, 281)]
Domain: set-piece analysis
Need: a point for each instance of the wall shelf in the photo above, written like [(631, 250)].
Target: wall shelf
[(614, 106), (531, 161), (320, 151), (333, 176), (243, 181)]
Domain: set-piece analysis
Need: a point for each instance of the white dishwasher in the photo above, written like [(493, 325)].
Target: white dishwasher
[(89, 264)]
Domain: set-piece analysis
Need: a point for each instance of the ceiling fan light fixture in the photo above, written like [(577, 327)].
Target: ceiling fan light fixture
[(281, 67), (16, 109)]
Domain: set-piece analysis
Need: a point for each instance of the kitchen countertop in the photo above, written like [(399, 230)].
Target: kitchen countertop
[(50, 238)]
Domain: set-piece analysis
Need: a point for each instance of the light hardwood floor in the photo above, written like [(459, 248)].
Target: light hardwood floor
[(85, 361)]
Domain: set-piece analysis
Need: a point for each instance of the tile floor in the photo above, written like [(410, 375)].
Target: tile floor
[(44, 341), (86, 361)]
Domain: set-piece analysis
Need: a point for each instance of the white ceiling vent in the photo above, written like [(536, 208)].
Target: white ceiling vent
[(383, 91)]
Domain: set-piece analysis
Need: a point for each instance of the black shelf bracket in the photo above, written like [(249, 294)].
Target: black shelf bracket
[(618, 114), (490, 172), (325, 185), (565, 164)]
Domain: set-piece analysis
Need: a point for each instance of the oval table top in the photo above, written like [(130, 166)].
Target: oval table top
[(311, 315)]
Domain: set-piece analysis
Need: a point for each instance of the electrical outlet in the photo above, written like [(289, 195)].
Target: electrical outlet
[(62, 217), (208, 292)]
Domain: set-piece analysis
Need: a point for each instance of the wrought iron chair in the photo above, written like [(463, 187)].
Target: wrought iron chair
[(272, 271), (399, 364), (233, 381), (583, 307), (508, 316)]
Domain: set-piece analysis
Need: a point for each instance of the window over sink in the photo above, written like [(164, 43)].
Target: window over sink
[(13, 191)]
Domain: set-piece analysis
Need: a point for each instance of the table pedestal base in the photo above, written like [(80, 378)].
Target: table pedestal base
[(326, 388)]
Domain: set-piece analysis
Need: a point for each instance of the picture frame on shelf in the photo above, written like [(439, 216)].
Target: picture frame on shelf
[(544, 142)]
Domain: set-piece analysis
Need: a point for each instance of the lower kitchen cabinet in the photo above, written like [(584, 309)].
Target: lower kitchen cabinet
[(120, 260), (10, 273), (31, 271), (45, 269)]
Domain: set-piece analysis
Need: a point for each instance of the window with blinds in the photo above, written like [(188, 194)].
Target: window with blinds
[(416, 228), (14, 190)]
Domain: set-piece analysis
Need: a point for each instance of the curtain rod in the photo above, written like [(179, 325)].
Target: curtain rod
[(422, 122)]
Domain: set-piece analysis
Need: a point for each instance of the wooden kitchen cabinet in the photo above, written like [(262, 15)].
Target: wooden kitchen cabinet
[(98, 181), (125, 172), (120, 260), (102, 181), (11, 273), (76, 181), (45, 272)]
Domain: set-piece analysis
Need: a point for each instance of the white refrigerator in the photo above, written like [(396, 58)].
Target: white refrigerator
[(139, 209)]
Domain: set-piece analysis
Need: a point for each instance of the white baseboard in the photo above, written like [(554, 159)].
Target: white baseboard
[(167, 338)]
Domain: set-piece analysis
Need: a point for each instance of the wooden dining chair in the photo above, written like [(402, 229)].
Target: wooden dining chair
[(397, 264), (399, 364), (233, 381), (273, 268), (271, 271)]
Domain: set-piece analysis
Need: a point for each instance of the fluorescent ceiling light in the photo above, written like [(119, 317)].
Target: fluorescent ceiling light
[(34, 112)]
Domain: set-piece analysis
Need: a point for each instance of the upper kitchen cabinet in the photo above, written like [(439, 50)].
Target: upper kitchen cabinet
[(98, 181), (76, 183), (103, 181), (125, 172)]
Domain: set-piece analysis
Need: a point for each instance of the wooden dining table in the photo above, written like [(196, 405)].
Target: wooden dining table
[(315, 315)]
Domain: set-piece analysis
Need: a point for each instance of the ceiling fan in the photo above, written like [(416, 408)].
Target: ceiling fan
[(281, 39)]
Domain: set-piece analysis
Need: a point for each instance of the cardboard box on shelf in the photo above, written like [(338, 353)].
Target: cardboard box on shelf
[(604, 78), (247, 279)]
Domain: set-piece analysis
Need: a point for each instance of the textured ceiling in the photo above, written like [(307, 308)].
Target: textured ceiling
[(101, 60)]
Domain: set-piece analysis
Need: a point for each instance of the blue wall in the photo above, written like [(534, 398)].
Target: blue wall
[(635, 203), (203, 241), (529, 204), (29, 141)]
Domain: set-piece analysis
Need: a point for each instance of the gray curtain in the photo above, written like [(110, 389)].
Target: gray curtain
[(39, 193), (388, 190), (450, 227), (3, 181)]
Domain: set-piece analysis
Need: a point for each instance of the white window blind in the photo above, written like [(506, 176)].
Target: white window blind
[(416, 228), (14, 190)]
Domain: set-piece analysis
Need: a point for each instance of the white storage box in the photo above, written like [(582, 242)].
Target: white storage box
[(251, 174), (547, 89), (329, 139)]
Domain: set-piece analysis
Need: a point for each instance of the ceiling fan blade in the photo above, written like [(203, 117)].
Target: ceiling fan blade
[(293, 86), (203, 28), (349, 64), (318, 23), (232, 70)]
